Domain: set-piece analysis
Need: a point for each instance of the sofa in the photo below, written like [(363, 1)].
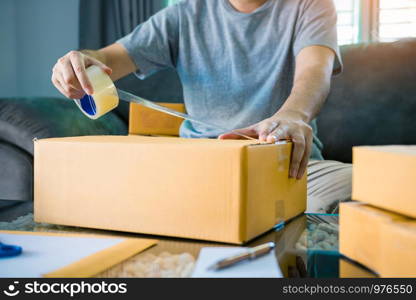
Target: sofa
[(25, 119), (373, 102)]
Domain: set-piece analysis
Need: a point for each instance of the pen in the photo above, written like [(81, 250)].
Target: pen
[(249, 254)]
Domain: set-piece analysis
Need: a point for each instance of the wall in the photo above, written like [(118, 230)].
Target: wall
[(8, 48), (38, 33)]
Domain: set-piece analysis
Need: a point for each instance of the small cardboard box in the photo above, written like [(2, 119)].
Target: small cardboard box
[(226, 191), (382, 241), (147, 121), (385, 176), (349, 269)]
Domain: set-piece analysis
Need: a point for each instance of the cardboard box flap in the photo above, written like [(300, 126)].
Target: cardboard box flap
[(137, 139), (147, 121), (385, 176), (396, 149)]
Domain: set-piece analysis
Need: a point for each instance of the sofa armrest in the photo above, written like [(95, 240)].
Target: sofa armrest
[(23, 119), (16, 179)]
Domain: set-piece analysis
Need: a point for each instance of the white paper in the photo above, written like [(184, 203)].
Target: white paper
[(44, 254), (263, 267)]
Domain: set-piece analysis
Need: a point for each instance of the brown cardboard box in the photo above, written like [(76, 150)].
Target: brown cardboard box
[(385, 177), (226, 191), (147, 121), (349, 269), (380, 240)]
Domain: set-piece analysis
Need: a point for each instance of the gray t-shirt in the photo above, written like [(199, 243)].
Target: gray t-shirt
[(236, 69)]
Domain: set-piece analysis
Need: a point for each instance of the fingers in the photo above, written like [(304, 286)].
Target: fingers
[(65, 79), (260, 131), (78, 65), (265, 128), (70, 77), (66, 89), (272, 130), (301, 137), (70, 81), (249, 131), (283, 132), (299, 145), (68, 74), (58, 85), (230, 136), (304, 163), (102, 66), (280, 133)]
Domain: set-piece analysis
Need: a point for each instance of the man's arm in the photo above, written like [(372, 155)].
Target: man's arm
[(311, 86), (69, 75), (312, 82)]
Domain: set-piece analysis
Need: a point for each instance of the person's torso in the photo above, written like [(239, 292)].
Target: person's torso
[(236, 69)]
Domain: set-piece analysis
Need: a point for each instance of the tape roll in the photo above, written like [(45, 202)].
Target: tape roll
[(105, 97)]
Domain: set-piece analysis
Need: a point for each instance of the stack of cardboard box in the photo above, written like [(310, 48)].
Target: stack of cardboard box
[(379, 231)]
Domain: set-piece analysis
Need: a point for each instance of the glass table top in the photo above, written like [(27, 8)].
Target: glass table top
[(306, 246)]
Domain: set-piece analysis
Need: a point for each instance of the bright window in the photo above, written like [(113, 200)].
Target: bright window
[(397, 19), (348, 21), (372, 20), (169, 2)]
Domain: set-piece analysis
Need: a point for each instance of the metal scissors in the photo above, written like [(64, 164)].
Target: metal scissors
[(9, 250)]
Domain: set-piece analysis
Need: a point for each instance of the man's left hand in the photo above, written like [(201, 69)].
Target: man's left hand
[(284, 125)]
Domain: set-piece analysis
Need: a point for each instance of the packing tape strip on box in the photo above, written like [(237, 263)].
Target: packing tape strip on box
[(104, 97)]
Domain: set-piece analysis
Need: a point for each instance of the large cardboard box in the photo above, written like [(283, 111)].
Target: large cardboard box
[(382, 241), (385, 176), (227, 191), (147, 121)]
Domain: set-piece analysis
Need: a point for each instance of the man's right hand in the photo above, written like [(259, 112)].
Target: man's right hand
[(69, 76)]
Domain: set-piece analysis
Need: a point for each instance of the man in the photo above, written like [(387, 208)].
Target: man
[(263, 66)]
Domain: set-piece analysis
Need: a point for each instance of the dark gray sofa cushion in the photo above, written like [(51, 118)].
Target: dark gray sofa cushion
[(373, 102), (22, 119), (16, 173)]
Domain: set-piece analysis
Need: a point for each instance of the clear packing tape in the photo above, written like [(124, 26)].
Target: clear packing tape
[(105, 97)]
